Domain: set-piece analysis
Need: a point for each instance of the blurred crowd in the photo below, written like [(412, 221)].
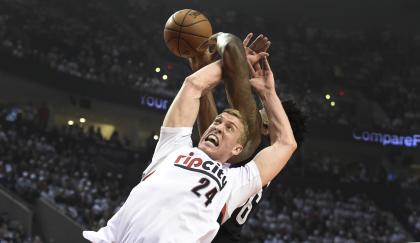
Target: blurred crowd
[(310, 215), (370, 76), (411, 186), (80, 39), (11, 231), (56, 165), (414, 222)]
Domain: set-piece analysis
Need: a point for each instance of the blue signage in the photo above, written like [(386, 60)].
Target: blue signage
[(385, 139), (154, 102)]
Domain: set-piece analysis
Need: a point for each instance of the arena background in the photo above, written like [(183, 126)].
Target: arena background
[(82, 97)]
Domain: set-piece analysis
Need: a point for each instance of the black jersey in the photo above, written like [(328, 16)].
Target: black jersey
[(230, 231)]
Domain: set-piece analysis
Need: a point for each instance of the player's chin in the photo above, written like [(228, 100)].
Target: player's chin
[(207, 147)]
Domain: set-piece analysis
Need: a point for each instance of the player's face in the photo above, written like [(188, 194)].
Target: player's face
[(221, 140)]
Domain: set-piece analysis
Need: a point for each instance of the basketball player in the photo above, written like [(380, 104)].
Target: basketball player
[(185, 188), (230, 230), (238, 89)]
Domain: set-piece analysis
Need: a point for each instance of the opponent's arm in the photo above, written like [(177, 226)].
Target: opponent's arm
[(238, 88), (272, 159), (208, 111), (184, 109)]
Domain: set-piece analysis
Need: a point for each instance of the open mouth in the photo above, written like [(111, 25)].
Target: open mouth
[(212, 139)]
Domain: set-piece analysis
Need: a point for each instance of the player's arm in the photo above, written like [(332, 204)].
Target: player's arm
[(254, 52), (184, 109), (272, 159), (207, 111), (238, 88)]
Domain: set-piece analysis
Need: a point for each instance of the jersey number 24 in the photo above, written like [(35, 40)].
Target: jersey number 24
[(204, 182)]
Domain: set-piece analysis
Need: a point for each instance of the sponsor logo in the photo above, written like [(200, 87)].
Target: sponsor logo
[(154, 102), (385, 139), (210, 168)]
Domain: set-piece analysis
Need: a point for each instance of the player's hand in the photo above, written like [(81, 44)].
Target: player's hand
[(262, 78), (201, 60), (207, 53), (257, 49), (210, 44)]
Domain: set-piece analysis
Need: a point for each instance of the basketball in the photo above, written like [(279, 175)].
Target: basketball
[(185, 31)]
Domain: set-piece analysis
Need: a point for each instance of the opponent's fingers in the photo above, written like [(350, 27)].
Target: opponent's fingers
[(208, 44), (267, 45), (250, 52), (266, 65), (257, 67), (261, 55), (260, 46), (247, 39), (255, 43), (251, 69)]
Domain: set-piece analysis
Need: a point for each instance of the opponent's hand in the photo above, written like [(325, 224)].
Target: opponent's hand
[(257, 49), (200, 60), (207, 52), (210, 44), (262, 78)]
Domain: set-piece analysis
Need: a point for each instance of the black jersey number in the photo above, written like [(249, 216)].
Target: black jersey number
[(247, 207), (204, 182)]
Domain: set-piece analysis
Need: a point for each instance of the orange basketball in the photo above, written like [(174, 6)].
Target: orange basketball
[(185, 31)]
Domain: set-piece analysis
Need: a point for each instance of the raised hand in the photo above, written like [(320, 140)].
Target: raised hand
[(257, 49), (262, 78), (206, 53)]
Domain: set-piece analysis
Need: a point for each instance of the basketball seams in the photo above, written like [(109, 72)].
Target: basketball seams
[(187, 33), (201, 36), (195, 23), (173, 19), (180, 30), (180, 25), (188, 44)]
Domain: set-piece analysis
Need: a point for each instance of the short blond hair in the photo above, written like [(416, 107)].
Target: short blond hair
[(243, 139)]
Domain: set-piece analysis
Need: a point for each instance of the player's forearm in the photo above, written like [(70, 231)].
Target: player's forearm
[(271, 160), (235, 66), (236, 77), (184, 109), (206, 78), (280, 129), (207, 112)]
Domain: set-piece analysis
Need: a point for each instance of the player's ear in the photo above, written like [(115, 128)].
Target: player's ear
[(237, 149)]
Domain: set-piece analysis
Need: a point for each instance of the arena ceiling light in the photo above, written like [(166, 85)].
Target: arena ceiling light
[(327, 96), (82, 120), (157, 69), (70, 123), (165, 77)]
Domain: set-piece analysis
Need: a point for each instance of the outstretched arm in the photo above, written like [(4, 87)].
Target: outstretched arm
[(238, 88), (184, 109), (236, 76), (272, 159), (207, 111)]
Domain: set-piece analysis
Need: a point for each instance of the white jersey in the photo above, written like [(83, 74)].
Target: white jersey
[(181, 196)]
